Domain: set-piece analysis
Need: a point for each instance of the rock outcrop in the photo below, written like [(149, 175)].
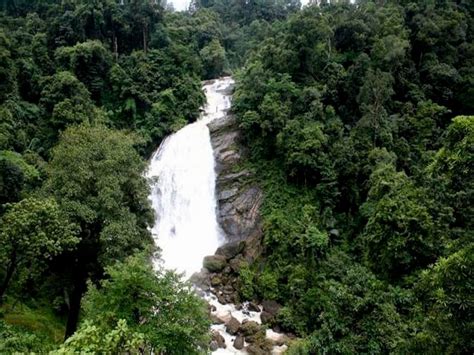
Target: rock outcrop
[(238, 203), (239, 199)]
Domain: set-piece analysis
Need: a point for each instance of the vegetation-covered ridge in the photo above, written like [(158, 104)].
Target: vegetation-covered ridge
[(358, 118)]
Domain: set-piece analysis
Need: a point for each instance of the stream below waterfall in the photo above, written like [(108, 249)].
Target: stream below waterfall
[(182, 171)]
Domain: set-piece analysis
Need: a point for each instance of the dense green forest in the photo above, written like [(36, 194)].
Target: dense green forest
[(358, 119)]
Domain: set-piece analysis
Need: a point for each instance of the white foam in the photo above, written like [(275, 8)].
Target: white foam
[(183, 195)]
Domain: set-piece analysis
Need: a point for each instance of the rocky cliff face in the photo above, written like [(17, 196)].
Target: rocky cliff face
[(239, 199)]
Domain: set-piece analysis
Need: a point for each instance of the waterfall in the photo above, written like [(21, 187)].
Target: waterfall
[(183, 192), (183, 177)]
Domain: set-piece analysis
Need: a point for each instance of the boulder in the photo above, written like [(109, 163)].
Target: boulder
[(260, 346), (221, 298), (236, 263), (266, 317), (249, 328), (226, 194), (213, 346), (232, 326), (216, 281), (239, 342), (214, 263), (216, 320), (221, 317), (277, 338), (200, 280), (219, 339), (258, 337), (228, 290), (271, 307), (231, 250), (253, 307)]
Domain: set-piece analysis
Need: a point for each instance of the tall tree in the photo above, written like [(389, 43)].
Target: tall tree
[(144, 15), (96, 176)]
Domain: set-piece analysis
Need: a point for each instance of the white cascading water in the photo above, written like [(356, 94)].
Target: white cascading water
[(183, 196)]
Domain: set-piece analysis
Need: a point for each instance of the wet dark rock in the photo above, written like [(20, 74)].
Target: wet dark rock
[(239, 342), (221, 298), (249, 328), (216, 320), (230, 250), (228, 290), (276, 328), (219, 339), (213, 346), (216, 281), (226, 194), (236, 263), (253, 307), (232, 326), (266, 317), (271, 307), (214, 263)]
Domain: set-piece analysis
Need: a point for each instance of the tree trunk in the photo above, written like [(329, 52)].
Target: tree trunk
[(115, 47), (8, 276), (75, 304), (145, 47)]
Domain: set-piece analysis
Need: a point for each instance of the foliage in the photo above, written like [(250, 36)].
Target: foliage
[(213, 57), (446, 290), (451, 171), (29, 328), (15, 339), (71, 74), (346, 111), (400, 234), (91, 339), (33, 231), (95, 173), (170, 317), (90, 62)]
